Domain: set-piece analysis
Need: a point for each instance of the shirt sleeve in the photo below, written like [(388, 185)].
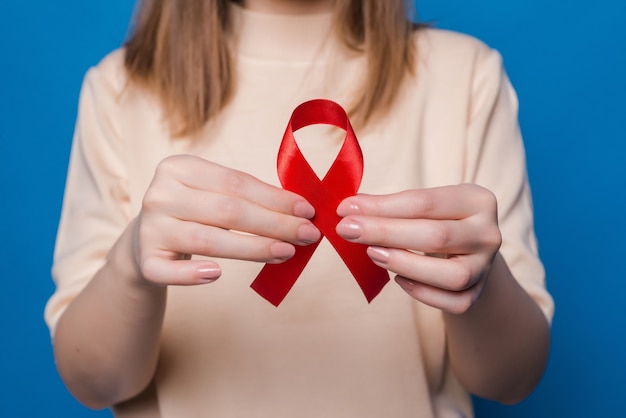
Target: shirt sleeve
[(496, 160), (96, 205)]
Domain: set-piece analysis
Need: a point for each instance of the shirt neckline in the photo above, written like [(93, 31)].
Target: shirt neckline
[(276, 37)]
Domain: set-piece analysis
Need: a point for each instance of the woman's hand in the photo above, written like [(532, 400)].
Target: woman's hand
[(444, 243), (440, 242), (195, 207), (107, 341)]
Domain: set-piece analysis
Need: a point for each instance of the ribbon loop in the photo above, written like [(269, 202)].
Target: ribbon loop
[(341, 181)]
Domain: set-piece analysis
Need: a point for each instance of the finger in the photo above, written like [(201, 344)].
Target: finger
[(163, 271), (455, 274), (240, 214), (425, 235), (448, 202), (192, 238), (452, 302), (197, 173)]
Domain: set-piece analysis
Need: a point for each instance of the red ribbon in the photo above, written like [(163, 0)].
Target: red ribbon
[(342, 180)]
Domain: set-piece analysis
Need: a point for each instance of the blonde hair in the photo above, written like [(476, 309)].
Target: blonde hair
[(191, 70)]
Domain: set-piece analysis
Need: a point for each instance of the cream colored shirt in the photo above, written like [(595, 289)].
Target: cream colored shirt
[(325, 352)]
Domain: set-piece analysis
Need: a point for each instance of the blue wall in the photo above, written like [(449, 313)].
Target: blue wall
[(568, 63)]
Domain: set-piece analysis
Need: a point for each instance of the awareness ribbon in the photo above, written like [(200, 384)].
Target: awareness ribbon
[(341, 181)]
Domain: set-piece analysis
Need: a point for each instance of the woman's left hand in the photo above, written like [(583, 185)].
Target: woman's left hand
[(440, 242)]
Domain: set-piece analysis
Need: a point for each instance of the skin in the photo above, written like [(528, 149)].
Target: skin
[(289, 6), (107, 341), (498, 338)]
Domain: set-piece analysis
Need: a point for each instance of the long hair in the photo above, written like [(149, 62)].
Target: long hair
[(179, 50)]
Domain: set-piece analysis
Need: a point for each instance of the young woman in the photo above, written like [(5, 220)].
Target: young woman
[(172, 184)]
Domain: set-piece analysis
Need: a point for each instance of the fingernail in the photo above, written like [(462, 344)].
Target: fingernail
[(308, 234), (208, 274), (282, 250), (303, 209), (405, 283), (347, 207), (378, 254), (349, 230)]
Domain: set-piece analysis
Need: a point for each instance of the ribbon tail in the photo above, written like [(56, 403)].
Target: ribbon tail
[(370, 277), (275, 281)]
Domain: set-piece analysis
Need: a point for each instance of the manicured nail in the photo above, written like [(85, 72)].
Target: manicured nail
[(308, 233), (378, 254), (282, 250), (208, 274), (405, 283), (349, 230), (303, 209), (347, 207)]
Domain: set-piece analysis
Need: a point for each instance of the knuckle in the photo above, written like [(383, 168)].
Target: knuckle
[(376, 205), (159, 190), (169, 164), (203, 241), (153, 198), (148, 268), (486, 198), (462, 279), (463, 304), (487, 235), (493, 238), (228, 211), (440, 238), (234, 181), (375, 231), (423, 203)]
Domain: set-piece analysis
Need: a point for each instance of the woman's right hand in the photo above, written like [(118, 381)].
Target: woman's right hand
[(195, 207)]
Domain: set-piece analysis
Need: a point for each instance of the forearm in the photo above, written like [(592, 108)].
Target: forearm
[(106, 342), (499, 348)]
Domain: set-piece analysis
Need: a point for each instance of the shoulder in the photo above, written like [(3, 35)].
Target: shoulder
[(458, 67), (443, 52), (451, 46), (109, 74), (113, 63)]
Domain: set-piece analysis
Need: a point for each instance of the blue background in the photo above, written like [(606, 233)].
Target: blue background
[(567, 60)]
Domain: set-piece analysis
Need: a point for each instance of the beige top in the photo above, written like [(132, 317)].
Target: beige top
[(325, 352)]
